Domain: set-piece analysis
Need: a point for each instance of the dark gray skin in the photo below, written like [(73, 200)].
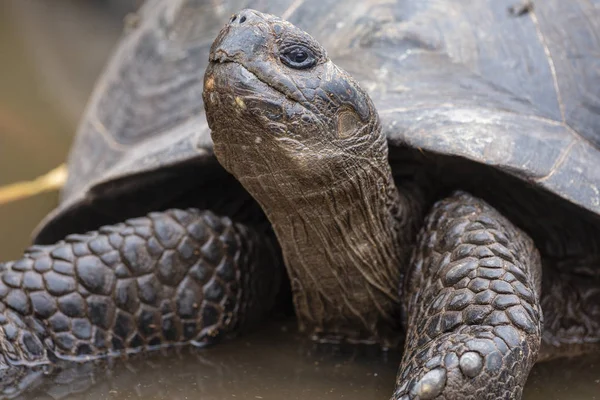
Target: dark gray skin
[(470, 298), (305, 141), (271, 146)]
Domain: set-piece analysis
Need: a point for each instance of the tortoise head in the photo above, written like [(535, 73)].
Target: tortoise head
[(305, 141), (279, 109)]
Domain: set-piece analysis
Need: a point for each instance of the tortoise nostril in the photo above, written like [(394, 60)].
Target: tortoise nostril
[(243, 19)]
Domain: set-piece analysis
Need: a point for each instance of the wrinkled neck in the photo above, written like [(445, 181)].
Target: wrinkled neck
[(344, 247)]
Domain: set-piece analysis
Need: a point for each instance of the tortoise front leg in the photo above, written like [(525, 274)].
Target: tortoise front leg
[(474, 317), (169, 278)]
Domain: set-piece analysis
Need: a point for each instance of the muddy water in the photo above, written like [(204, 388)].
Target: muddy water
[(44, 80), (277, 363)]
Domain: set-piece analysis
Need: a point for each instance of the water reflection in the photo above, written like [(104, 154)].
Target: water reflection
[(275, 363)]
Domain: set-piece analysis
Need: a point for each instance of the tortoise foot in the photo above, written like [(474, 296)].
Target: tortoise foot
[(475, 321), (171, 278)]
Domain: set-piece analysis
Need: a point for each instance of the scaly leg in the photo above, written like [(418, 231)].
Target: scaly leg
[(474, 317), (169, 278)]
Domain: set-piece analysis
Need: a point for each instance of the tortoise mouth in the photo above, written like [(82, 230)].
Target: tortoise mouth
[(231, 77), (226, 77), (243, 110), (235, 97)]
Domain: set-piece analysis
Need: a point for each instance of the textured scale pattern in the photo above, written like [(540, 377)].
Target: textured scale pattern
[(475, 321), (168, 278)]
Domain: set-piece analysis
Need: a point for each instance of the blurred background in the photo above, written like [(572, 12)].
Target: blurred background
[(51, 52)]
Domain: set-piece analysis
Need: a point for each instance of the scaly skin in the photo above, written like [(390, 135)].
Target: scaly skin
[(169, 278), (475, 321)]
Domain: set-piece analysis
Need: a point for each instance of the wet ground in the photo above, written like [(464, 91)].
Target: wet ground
[(48, 66)]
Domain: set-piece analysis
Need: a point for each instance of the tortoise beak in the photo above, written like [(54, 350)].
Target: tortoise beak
[(230, 79), (241, 38)]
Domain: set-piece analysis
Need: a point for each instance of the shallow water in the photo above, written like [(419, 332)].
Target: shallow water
[(37, 119), (278, 363)]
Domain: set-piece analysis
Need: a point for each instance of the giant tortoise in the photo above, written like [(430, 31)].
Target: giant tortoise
[(455, 213)]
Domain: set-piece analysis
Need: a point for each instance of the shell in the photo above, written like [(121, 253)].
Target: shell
[(520, 93)]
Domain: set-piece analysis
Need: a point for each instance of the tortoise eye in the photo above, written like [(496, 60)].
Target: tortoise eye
[(298, 57)]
